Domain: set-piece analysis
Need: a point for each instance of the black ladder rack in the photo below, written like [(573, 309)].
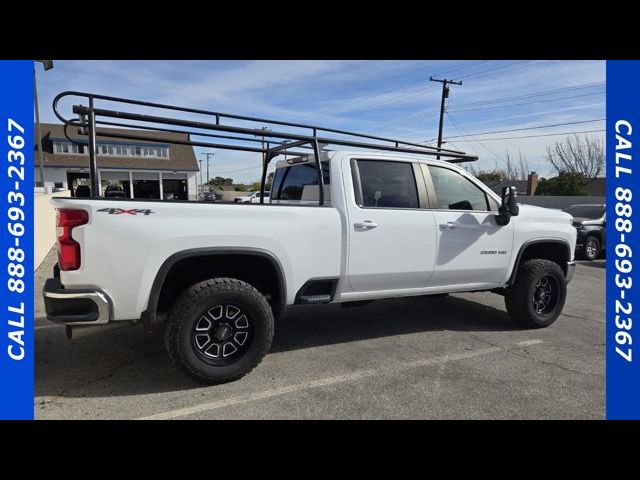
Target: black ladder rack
[(90, 117)]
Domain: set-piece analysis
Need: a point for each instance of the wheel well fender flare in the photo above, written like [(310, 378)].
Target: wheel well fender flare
[(148, 316), (561, 242)]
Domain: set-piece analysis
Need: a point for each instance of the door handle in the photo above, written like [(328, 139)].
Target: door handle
[(366, 225), (449, 225)]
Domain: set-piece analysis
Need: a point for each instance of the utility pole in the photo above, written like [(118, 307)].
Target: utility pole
[(445, 94), (201, 185), (208, 154), (48, 65)]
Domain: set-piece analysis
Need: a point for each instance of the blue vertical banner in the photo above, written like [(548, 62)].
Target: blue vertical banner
[(623, 247), (16, 250)]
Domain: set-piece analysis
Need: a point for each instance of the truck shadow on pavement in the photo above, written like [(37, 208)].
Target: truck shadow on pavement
[(594, 263), (305, 327), (127, 361)]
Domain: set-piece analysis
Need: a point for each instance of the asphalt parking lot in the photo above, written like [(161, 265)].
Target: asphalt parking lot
[(457, 357)]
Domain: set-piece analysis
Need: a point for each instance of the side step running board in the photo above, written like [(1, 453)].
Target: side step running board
[(316, 291), (314, 298)]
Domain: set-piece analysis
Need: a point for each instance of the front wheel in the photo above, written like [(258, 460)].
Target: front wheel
[(218, 330), (591, 248), (537, 297)]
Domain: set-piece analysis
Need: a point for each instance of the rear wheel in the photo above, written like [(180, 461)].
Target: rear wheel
[(538, 295), (591, 248), (219, 330)]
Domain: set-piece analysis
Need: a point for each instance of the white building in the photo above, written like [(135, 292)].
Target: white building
[(142, 169)]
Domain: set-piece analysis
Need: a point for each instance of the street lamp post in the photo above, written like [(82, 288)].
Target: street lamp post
[(48, 65)]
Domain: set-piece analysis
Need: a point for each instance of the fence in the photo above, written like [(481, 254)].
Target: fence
[(558, 202)]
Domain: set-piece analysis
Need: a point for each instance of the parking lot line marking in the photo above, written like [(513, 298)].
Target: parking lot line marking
[(349, 377), (526, 343), (42, 327)]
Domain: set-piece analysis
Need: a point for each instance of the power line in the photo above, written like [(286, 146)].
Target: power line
[(460, 128), (524, 103), (442, 74), (408, 120), (544, 135), (430, 113), (535, 94), (383, 102), (411, 94), (470, 145), (500, 69), (463, 67), (527, 128), (240, 169)]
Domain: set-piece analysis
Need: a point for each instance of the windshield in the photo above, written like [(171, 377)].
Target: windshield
[(586, 211)]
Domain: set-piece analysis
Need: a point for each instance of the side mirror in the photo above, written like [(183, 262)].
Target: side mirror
[(509, 207)]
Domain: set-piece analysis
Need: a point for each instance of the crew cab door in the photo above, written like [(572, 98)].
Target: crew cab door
[(391, 233), (472, 248)]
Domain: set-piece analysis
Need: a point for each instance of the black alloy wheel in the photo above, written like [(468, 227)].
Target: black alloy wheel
[(545, 295), (222, 334)]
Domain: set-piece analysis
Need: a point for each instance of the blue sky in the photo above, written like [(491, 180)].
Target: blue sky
[(389, 98)]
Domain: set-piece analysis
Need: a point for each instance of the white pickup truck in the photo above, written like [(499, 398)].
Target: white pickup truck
[(215, 275)]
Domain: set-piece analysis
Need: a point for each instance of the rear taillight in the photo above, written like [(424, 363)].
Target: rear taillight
[(68, 248)]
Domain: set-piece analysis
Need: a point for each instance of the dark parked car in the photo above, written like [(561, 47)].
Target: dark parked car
[(208, 197), (590, 222), (83, 191)]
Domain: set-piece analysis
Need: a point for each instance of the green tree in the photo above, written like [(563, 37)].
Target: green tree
[(255, 186), (220, 181), (565, 184), (241, 188)]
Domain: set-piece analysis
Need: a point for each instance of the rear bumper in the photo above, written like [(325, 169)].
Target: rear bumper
[(75, 307), (571, 269)]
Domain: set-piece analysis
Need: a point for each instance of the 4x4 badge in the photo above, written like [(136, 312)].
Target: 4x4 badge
[(120, 211)]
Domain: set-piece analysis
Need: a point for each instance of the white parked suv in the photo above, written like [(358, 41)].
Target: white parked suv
[(244, 198), (215, 276), (255, 198)]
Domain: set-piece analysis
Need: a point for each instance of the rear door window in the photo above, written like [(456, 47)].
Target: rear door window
[(299, 182), (387, 184)]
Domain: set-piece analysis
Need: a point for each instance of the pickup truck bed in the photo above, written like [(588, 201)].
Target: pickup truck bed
[(125, 252)]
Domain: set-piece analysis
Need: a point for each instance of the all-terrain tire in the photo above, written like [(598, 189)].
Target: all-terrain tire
[(522, 299), (197, 302)]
